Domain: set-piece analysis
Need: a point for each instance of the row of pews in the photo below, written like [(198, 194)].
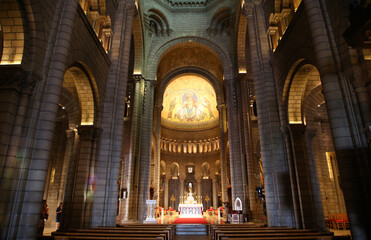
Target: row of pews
[(255, 232), (124, 232)]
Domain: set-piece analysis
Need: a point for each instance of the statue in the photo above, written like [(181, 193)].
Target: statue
[(190, 198)]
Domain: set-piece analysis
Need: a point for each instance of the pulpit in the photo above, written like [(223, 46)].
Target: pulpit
[(151, 207)]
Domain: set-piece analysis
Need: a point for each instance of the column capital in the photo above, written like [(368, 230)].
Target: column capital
[(221, 107), (70, 133), (137, 77)]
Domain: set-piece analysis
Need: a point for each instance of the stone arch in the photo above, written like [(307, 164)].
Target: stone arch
[(205, 170), (157, 23), (186, 72), (70, 103), (229, 70), (302, 78), (162, 168), (190, 70), (33, 35), (218, 169), (12, 26), (221, 22), (313, 106), (77, 81), (174, 170), (322, 150)]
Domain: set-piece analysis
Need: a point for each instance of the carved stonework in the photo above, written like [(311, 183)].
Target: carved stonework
[(188, 3), (137, 77), (156, 23), (222, 23)]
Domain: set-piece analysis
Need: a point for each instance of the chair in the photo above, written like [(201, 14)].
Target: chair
[(330, 221), (341, 221)]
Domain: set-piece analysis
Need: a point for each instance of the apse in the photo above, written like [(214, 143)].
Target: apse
[(189, 102)]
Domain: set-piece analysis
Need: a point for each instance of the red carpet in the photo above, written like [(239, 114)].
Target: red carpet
[(190, 221)]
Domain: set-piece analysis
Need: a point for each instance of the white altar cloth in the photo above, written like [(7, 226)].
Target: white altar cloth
[(190, 210)]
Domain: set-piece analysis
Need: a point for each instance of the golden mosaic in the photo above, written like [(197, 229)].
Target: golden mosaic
[(189, 102)]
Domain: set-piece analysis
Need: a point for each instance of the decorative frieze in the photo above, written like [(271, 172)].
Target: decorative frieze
[(188, 147)]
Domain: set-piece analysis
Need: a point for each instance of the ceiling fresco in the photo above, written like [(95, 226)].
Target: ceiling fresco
[(189, 102)]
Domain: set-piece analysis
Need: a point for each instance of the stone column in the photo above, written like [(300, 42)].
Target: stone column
[(145, 147), (293, 186), (157, 155), (133, 162), (275, 167), (166, 193), (352, 156), (253, 208), (359, 82), (199, 190), (15, 91), (34, 171), (317, 208), (238, 178), (215, 193), (223, 164), (307, 179), (84, 178), (70, 184), (108, 167), (69, 152), (182, 196)]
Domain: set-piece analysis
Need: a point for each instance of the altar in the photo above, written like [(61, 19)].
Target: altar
[(190, 210)]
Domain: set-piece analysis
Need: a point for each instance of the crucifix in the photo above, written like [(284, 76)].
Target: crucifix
[(207, 199)]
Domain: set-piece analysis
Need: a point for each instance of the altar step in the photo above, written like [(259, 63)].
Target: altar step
[(191, 229)]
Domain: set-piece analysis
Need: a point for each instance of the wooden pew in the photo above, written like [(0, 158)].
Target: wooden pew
[(284, 238), (242, 231), (116, 236), (101, 238), (217, 232), (275, 235), (142, 227), (228, 227), (166, 231)]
